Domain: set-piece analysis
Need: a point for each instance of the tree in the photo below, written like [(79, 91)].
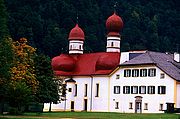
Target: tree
[(23, 64), (18, 96), (3, 21), (48, 90), (6, 54)]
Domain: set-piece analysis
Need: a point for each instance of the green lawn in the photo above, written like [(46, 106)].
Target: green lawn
[(91, 115)]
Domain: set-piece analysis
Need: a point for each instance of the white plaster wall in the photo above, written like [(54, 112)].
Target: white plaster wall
[(74, 47), (153, 100), (100, 103), (178, 96), (124, 57), (116, 44)]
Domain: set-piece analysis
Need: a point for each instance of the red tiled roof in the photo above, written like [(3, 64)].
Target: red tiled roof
[(102, 63)]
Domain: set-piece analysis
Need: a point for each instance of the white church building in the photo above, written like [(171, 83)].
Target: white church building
[(114, 81)]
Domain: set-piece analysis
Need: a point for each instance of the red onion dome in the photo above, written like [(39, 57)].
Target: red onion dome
[(76, 33), (114, 24), (63, 63), (107, 61)]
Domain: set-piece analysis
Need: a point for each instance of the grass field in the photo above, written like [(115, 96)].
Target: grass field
[(90, 115)]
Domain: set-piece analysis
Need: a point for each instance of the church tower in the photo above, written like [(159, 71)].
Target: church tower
[(114, 25), (76, 40)]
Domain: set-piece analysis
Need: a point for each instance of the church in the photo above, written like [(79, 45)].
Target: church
[(115, 81)]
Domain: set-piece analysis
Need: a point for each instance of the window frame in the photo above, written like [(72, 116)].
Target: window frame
[(161, 107), (125, 91), (130, 105), (145, 106), (116, 105), (142, 73), (152, 72), (150, 89), (85, 90), (161, 89), (117, 76), (127, 72), (133, 88), (75, 90), (140, 90), (117, 89), (135, 72), (97, 90), (162, 75)]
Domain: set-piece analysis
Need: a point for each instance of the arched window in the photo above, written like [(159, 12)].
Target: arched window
[(70, 47), (80, 47), (112, 44)]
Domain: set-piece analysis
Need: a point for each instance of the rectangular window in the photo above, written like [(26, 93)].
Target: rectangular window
[(97, 89), (152, 72), (127, 73), (143, 72), (117, 76), (85, 90), (142, 90), (135, 72), (162, 76), (151, 89), (116, 105), (145, 106), (134, 89), (70, 89), (126, 89), (161, 107), (116, 89), (161, 89), (130, 105), (64, 90), (75, 90)]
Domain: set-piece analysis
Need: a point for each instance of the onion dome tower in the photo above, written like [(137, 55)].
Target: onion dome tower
[(76, 40), (114, 25)]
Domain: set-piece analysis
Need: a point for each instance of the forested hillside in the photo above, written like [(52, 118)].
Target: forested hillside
[(148, 24)]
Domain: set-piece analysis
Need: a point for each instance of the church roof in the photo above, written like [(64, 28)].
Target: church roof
[(164, 61), (102, 63)]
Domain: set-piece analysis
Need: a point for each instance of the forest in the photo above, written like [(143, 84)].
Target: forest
[(148, 24)]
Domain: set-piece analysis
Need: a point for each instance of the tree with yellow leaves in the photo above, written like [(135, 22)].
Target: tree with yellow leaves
[(23, 69)]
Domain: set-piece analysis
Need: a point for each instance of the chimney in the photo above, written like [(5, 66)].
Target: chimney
[(176, 57)]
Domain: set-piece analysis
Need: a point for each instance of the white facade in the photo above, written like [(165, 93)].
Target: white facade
[(96, 93), (76, 47), (113, 44)]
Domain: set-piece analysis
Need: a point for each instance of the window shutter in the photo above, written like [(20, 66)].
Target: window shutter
[(124, 89), (114, 89), (159, 89), (140, 89), (131, 89)]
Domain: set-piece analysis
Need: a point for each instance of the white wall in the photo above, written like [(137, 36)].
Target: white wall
[(178, 96), (153, 100)]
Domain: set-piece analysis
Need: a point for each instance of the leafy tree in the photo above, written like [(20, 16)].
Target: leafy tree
[(6, 54), (48, 87), (23, 68), (3, 21), (18, 96)]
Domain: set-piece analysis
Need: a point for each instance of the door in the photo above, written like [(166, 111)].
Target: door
[(138, 107), (85, 104), (72, 105), (138, 104)]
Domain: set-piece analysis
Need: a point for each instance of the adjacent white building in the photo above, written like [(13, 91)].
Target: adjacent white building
[(111, 81)]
